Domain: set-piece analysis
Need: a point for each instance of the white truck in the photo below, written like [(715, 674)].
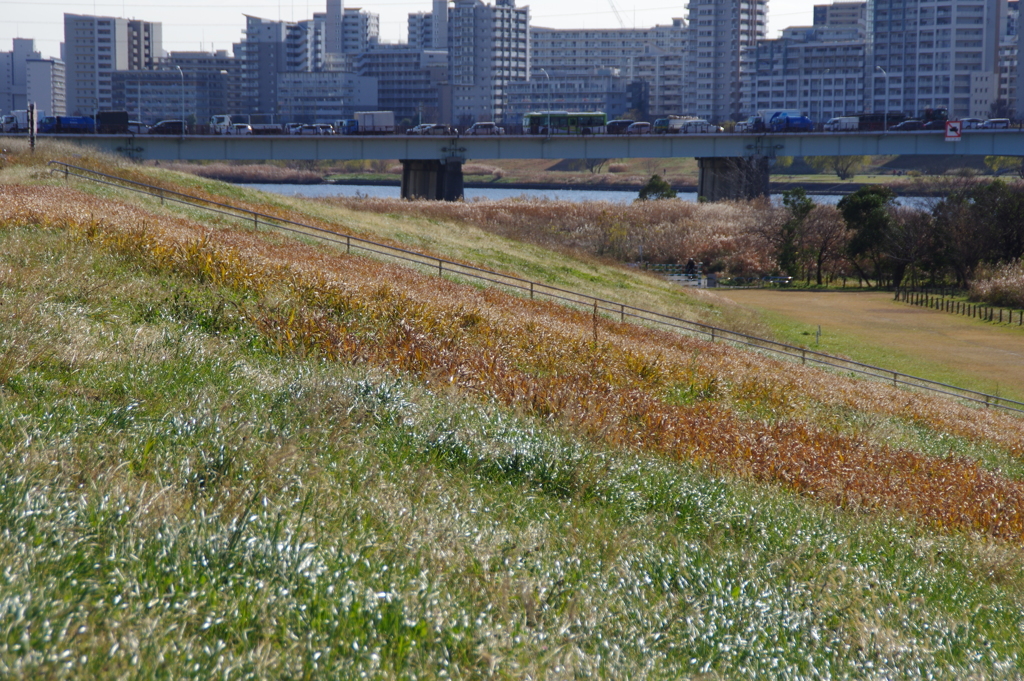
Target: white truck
[(842, 123), (17, 121), (375, 122), (221, 124)]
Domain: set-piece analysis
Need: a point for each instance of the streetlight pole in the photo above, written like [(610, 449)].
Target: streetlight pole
[(182, 74), (821, 98), (885, 114)]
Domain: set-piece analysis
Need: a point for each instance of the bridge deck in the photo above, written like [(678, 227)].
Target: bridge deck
[(344, 147)]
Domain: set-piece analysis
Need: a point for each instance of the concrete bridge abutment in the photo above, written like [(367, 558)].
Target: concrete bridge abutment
[(433, 180), (742, 177)]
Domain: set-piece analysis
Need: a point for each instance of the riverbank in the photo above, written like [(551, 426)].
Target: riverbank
[(679, 173), (812, 188)]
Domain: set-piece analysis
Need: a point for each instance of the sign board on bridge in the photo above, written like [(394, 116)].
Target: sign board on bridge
[(954, 130)]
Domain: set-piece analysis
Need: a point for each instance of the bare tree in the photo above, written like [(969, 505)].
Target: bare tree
[(844, 167), (824, 240)]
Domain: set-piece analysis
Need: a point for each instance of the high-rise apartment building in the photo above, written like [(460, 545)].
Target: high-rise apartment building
[(272, 47), (580, 89), (96, 47), (841, 14), (348, 30), (410, 81), (934, 54), (281, 64), (655, 55), (45, 86), (14, 74), (722, 37), (487, 48), (817, 70)]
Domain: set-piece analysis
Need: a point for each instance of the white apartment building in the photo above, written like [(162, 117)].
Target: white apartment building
[(820, 79), (410, 81), (224, 66), (841, 14), (580, 89), (817, 70), (720, 59), (347, 30), (45, 86), (655, 55), (95, 47), (13, 74), (487, 48), (934, 54), (429, 30), (324, 96)]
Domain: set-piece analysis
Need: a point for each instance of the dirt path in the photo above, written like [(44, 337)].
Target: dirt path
[(992, 354)]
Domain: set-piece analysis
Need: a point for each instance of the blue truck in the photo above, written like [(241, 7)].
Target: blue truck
[(67, 124)]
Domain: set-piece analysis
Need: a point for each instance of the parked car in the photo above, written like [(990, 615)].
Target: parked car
[(439, 129), (996, 124), (618, 127), (485, 128), (907, 126), (420, 129), (168, 128), (238, 129), (292, 128), (639, 128), (971, 123), (316, 129), (137, 128)]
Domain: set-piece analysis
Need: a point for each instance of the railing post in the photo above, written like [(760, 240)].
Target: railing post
[(440, 267), (622, 312), (348, 244), (803, 356), (531, 290)]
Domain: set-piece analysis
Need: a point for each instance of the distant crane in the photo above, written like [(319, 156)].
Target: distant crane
[(617, 15)]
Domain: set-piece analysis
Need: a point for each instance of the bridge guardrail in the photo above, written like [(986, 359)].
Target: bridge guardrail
[(536, 290)]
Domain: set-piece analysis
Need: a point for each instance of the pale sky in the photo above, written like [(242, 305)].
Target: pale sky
[(216, 24)]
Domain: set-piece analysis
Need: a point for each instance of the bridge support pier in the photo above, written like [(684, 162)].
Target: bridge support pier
[(433, 180), (743, 177)]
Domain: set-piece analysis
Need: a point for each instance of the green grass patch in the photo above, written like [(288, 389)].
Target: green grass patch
[(178, 501)]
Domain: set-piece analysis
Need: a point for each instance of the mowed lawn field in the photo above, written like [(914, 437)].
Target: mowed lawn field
[(872, 327)]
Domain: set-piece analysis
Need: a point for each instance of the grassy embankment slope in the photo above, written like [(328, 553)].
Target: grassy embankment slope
[(228, 452)]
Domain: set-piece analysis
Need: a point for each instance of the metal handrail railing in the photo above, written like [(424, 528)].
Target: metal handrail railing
[(535, 289)]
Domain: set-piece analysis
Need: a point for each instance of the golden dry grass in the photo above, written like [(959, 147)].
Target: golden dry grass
[(614, 383)]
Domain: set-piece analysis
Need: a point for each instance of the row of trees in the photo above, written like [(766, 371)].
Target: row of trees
[(888, 244)]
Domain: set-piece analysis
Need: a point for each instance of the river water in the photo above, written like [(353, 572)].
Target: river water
[(497, 193)]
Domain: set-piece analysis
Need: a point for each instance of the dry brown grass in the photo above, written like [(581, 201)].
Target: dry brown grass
[(729, 236), (1001, 285), (613, 383), (248, 173)]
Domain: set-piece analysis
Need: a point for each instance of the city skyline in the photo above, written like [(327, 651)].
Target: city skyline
[(223, 21)]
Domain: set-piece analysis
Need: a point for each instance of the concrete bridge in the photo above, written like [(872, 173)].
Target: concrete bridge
[(731, 165)]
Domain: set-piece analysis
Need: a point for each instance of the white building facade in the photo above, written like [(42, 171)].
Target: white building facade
[(720, 57), (655, 55), (96, 47), (488, 47), (934, 54)]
